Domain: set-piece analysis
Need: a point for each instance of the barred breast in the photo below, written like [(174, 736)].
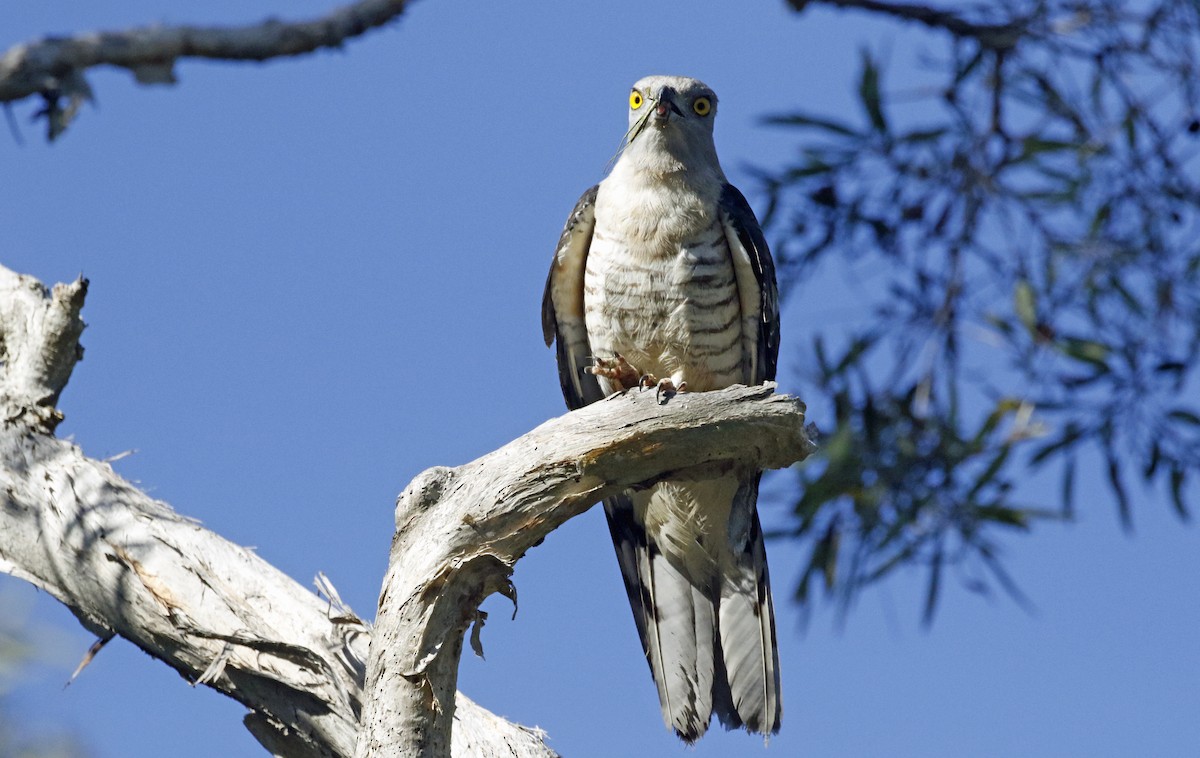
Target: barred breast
[(669, 306)]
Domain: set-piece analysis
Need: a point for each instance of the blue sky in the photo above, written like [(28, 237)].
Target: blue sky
[(312, 279)]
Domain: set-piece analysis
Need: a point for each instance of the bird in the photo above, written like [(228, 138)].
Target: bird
[(662, 279)]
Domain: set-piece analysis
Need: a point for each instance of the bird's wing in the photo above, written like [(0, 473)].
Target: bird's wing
[(755, 274), (748, 693), (562, 305)]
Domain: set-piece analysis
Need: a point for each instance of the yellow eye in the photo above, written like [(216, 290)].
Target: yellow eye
[(702, 106), (636, 100)]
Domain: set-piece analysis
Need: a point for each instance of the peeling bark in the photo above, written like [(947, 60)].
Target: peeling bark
[(127, 565)]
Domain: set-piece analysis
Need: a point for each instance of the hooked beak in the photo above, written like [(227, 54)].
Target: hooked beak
[(664, 106)]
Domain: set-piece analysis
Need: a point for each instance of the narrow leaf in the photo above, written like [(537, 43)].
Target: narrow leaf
[(1118, 487), (935, 582), (923, 135), (1031, 146), (1068, 438), (1025, 304), (805, 120), (990, 472), (1004, 407), (1006, 581), (833, 539), (1185, 415), (1068, 489), (868, 93), (1152, 464), (1085, 350), (1177, 478), (972, 64), (1002, 514)]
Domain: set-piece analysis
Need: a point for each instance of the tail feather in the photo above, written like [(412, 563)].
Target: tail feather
[(676, 621), (747, 625), (709, 638), (681, 653)]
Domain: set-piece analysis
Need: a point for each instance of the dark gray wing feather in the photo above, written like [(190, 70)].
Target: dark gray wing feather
[(747, 689), (562, 305), (739, 214)]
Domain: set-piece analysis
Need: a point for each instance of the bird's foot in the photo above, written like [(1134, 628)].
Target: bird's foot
[(618, 371)]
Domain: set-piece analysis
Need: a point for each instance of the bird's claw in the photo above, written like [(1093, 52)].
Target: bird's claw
[(667, 390), (618, 371), (622, 375)]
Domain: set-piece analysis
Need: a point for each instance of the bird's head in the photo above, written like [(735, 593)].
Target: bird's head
[(671, 116)]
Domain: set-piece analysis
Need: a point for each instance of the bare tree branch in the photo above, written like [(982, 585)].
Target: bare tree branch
[(994, 36), (460, 531), (39, 346), (128, 565), (53, 67)]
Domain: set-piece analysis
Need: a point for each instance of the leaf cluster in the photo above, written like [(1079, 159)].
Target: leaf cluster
[(1022, 240)]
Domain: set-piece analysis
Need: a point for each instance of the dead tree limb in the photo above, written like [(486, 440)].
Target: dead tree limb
[(54, 67), (460, 531), (127, 565)]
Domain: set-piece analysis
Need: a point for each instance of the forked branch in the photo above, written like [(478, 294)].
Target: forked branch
[(129, 566), (460, 531)]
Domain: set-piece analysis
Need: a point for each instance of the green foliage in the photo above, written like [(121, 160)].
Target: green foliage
[(1030, 230)]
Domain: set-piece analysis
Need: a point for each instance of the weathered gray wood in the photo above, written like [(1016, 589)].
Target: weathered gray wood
[(52, 63), (55, 67), (460, 531), (128, 565), (39, 346)]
